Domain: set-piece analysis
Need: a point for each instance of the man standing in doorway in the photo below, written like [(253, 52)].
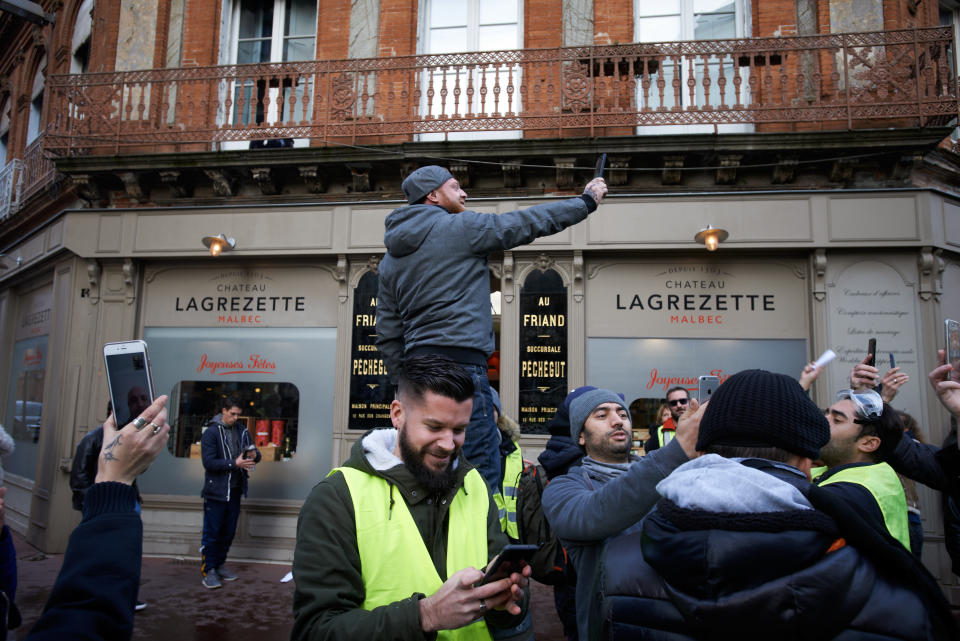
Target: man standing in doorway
[(228, 456), (677, 401), (434, 290)]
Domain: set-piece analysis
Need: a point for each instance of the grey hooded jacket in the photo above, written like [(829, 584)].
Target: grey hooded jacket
[(434, 280)]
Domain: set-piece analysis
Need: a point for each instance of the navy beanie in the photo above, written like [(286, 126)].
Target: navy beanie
[(424, 180), (756, 408), (559, 425)]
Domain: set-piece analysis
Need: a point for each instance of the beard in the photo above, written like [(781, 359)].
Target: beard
[(437, 484)]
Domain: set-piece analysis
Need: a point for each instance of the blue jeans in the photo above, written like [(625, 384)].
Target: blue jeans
[(219, 526), (482, 443)]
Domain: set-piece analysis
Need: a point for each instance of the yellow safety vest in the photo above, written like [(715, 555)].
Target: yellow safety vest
[(665, 436), (394, 560), (506, 498), (882, 482)]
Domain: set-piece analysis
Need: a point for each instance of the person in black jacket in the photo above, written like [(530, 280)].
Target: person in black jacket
[(83, 472), (743, 546), (94, 594), (228, 455)]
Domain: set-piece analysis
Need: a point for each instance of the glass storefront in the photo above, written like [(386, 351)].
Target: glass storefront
[(26, 404)]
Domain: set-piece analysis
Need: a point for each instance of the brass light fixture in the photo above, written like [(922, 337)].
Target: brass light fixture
[(219, 244), (711, 237)]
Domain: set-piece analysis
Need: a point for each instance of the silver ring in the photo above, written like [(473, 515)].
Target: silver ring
[(483, 606), (139, 422), (156, 428)]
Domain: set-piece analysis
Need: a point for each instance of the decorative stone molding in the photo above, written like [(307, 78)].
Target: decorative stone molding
[(360, 174), (172, 179), (820, 275), (224, 182), (727, 174), (617, 175), (130, 280), (566, 175), (88, 188), (511, 174), (134, 186), (313, 178), (543, 262), (842, 170), (905, 165), (578, 276), (93, 277), (785, 171), (930, 264), (263, 176), (373, 263), (671, 170), (506, 281), (461, 171), (339, 274)]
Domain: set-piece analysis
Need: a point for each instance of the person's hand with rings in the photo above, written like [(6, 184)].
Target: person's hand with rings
[(129, 451), (458, 603), (892, 381)]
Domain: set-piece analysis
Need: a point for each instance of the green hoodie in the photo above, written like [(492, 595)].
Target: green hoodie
[(326, 563)]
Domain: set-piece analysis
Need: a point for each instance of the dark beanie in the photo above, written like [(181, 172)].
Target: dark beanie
[(559, 425), (424, 180), (755, 408)]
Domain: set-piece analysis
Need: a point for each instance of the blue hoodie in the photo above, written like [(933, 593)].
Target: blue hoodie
[(434, 280)]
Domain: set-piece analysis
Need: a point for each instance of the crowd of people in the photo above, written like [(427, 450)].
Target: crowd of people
[(756, 514)]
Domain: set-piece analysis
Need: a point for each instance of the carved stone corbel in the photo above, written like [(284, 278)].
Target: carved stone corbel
[(313, 178), (544, 262), (565, 172), (129, 280), (461, 171), (820, 275), (340, 275), (172, 179), (224, 182), (360, 174), (904, 166), (727, 173), (134, 186), (930, 265), (93, 277), (511, 174), (373, 263), (506, 281), (785, 171), (618, 175), (263, 176), (842, 170), (672, 174), (88, 188), (578, 276)]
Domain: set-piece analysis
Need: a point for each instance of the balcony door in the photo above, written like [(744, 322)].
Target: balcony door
[(675, 20), (264, 32), (458, 26)]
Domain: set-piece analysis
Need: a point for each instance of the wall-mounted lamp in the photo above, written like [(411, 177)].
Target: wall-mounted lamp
[(219, 244), (711, 237)]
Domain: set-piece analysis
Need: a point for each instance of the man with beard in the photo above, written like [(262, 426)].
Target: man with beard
[(611, 489), (389, 544), (859, 424), (677, 401)]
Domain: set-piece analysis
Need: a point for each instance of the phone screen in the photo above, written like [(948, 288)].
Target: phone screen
[(872, 351), (953, 343), (130, 389), (511, 559)]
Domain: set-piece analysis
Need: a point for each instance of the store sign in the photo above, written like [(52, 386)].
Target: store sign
[(761, 300), (543, 349), (370, 389), (35, 313), (240, 297), (255, 364)]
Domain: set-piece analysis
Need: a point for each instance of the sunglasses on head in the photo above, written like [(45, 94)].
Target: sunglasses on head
[(678, 401)]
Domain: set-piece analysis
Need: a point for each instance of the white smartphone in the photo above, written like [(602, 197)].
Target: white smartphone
[(952, 345), (129, 379), (707, 386)]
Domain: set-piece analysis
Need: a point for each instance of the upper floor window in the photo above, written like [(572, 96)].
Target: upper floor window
[(4, 130), (274, 31), (453, 26), (80, 44), (36, 102)]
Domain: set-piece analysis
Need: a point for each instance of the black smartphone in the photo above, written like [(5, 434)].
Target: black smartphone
[(893, 363), (707, 386), (128, 378), (872, 351), (601, 165), (512, 558)]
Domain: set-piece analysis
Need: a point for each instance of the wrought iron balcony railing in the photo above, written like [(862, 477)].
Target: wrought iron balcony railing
[(10, 189), (837, 81)]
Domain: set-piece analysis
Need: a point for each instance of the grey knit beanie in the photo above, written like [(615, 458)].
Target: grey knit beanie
[(756, 408), (582, 405), (423, 181)]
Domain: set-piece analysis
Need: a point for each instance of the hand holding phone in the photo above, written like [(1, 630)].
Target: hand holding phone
[(512, 558), (707, 386), (872, 352), (129, 379)]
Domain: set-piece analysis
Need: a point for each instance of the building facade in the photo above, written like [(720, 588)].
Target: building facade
[(818, 134)]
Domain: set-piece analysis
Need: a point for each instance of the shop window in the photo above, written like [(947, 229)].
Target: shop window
[(453, 26), (25, 408), (270, 414)]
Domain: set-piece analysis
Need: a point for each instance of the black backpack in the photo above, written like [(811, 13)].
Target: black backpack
[(550, 564)]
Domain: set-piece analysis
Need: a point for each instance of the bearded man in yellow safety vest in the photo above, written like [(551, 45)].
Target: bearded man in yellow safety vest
[(392, 543)]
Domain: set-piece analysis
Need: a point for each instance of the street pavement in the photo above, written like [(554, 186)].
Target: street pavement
[(256, 607)]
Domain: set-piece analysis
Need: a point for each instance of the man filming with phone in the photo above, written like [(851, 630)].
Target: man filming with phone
[(391, 544), (228, 457)]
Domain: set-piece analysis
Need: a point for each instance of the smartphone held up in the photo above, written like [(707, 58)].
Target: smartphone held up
[(129, 379)]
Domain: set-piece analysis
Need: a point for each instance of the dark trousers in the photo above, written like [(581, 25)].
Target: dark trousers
[(481, 445), (219, 526)]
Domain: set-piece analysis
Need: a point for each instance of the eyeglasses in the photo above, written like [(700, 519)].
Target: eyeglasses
[(869, 404), (678, 401)]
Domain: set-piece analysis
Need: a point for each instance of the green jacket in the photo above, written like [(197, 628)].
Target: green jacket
[(326, 565)]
